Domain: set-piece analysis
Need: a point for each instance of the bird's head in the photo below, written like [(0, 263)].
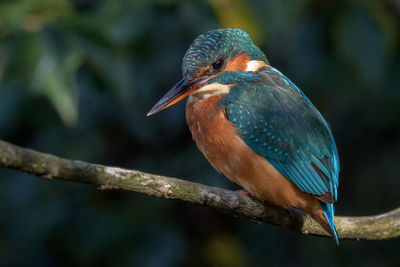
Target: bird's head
[(210, 55)]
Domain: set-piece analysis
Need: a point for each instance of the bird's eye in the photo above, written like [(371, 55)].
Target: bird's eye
[(217, 65)]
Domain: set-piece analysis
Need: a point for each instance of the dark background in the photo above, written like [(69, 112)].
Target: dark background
[(78, 77)]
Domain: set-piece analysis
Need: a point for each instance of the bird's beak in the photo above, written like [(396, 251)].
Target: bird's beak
[(183, 88)]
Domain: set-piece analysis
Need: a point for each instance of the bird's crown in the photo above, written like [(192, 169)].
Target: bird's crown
[(216, 47)]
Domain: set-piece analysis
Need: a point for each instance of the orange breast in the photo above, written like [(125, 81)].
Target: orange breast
[(216, 138)]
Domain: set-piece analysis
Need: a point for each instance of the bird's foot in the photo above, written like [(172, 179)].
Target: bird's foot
[(244, 192)]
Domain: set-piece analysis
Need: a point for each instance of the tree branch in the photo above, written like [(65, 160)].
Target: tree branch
[(378, 227)]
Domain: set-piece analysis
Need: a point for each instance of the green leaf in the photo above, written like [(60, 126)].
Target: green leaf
[(56, 78)]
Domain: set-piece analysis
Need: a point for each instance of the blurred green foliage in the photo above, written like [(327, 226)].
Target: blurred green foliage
[(77, 78)]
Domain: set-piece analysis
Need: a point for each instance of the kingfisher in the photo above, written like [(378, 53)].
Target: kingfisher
[(256, 126)]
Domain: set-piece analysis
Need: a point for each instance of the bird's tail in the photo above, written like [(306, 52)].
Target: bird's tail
[(329, 214)]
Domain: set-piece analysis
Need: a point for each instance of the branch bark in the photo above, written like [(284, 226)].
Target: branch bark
[(378, 227)]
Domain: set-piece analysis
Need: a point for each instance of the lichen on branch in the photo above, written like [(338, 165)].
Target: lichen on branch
[(378, 227)]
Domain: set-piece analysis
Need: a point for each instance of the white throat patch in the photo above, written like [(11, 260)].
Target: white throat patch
[(209, 90)]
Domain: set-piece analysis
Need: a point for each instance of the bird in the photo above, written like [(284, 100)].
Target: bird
[(256, 126)]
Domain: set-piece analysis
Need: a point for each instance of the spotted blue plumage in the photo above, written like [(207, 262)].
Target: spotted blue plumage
[(278, 121)]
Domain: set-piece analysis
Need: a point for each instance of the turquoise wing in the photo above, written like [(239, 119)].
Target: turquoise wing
[(278, 121)]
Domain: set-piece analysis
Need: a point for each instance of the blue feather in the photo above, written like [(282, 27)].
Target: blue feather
[(276, 119), (329, 214), (280, 123)]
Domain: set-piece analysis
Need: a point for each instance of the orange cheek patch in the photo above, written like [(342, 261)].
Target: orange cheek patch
[(238, 63), (232, 85), (203, 71)]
